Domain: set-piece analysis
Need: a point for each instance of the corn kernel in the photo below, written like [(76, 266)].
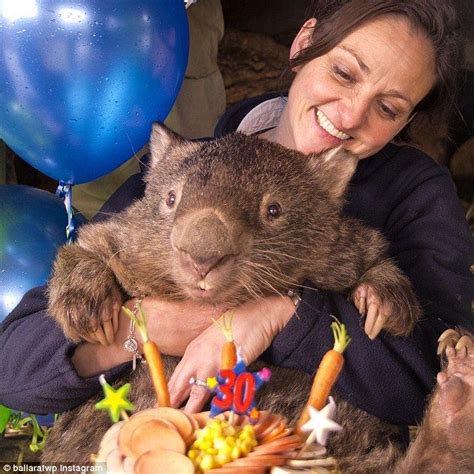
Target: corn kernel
[(206, 444), (192, 454), (246, 447), (207, 462), (223, 458), (227, 449), (235, 453), (219, 442)]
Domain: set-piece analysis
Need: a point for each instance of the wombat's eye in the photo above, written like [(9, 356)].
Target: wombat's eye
[(171, 199), (273, 210)]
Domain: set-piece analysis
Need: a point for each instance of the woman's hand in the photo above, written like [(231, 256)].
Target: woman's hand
[(172, 325), (254, 326)]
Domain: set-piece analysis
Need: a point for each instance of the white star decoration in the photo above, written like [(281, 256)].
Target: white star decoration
[(321, 423)]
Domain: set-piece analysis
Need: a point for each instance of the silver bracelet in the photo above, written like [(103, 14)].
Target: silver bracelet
[(130, 344), (295, 296)]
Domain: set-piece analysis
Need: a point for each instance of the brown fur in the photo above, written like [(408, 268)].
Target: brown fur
[(219, 226), (445, 443)]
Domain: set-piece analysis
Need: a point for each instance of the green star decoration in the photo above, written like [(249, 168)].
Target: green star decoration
[(4, 417), (115, 400)]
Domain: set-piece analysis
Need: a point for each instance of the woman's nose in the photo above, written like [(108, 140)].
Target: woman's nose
[(354, 112)]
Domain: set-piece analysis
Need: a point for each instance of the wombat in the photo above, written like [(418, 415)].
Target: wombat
[(227, 221), (445, 443)]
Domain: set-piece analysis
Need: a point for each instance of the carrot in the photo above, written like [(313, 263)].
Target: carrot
[(157, 373), (327, 373), (228, 355), (229, 350), (153, 359)]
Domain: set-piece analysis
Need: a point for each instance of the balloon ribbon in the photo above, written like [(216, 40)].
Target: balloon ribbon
[(64, 192)]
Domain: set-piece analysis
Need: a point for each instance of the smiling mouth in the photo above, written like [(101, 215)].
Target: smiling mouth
[(328, 127)]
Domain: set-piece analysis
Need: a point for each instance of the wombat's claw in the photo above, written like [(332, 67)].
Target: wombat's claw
[(451, 338), (369, 304), (375, 320), (459, 355), (359, 298)]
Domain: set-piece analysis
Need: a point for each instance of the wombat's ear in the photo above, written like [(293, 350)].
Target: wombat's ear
[(166, 144), (336, 168)]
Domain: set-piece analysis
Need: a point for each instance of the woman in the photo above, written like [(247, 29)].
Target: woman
[(363, 71)]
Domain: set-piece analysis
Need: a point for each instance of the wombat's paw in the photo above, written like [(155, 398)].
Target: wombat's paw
[(92, 318), (385, 309), (370, 305), (445, 442), (454, 339), (84, 298), (83, 295), (453, 401), (460, 359)]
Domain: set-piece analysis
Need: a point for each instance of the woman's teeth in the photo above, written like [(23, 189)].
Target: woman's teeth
[(326, 125)]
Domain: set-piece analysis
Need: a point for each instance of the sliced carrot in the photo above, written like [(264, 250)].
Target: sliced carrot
[(156, 434), (163, 461)]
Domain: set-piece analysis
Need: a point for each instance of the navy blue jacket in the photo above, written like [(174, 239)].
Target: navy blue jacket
[(399, 191)]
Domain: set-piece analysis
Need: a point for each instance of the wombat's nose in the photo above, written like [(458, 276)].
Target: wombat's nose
[(201, 265)]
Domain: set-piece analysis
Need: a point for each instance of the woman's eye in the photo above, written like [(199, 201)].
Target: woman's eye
[(387, 111), (171, 199), (344, 75), (273, 210)]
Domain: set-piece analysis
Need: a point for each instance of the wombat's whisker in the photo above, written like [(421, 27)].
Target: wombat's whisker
[(277, 244), (269, 285), (262, 266), (253, 290), (278, 237), (276, 276), (267, 253), (249, 280)]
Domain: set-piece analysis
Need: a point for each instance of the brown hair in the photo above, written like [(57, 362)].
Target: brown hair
[(434, 18)]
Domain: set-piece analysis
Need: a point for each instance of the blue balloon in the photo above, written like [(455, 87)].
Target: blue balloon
[(82, 80), (32, 227)]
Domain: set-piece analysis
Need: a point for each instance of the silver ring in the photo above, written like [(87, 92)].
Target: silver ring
[(198, 382)]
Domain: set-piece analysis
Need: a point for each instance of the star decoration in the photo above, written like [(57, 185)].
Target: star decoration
[(212, 382), (115, 400), (4, 417), (321, 423)]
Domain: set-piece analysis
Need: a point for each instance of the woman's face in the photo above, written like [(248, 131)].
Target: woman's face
[(361, 93)]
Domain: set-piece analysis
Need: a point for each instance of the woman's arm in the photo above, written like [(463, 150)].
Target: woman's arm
[(38, 375), (388, 377)]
